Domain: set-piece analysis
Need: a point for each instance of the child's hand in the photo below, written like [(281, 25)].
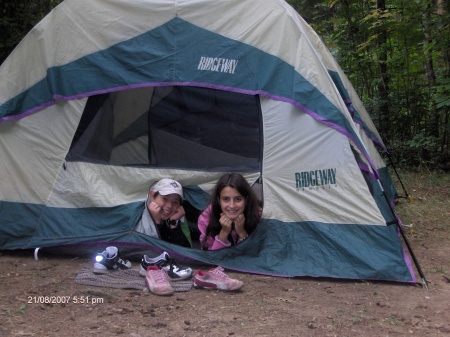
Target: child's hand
[(239, 225), (227, 224), (178, 214), (154, 210)]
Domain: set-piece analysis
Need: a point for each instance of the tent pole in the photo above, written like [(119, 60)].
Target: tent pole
[(405, 239), (391, 163)]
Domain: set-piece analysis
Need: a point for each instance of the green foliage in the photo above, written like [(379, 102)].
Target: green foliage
[(398, 59), (420, 141), (442, 97)]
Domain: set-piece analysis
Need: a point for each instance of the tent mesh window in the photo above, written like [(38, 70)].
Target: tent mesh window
[(173, 127)]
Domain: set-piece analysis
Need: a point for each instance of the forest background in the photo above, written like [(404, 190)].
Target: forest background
[(396, 53)]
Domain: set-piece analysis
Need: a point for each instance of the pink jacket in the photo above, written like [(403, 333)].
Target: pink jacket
[(212, 243)]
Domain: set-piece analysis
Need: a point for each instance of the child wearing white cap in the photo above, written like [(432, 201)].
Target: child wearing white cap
[(163, 216)]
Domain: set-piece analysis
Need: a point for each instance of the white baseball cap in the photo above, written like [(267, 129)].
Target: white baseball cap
[(168, 186)]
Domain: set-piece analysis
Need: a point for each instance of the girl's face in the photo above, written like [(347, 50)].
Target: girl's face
[(231, 202), (168, 204)]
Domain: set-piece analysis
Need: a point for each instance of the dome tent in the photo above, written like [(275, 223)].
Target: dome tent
[(102, 98)]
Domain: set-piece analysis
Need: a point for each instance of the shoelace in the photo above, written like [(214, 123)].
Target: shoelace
[(219, 272), (160, 276)]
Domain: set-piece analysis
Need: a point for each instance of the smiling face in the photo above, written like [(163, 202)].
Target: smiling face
[(168, 204), (231, 202)]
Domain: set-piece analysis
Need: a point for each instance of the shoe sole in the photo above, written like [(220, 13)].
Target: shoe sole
[(107, 271), (199, 284)]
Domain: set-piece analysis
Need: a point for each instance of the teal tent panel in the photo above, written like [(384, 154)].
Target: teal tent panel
[(77, 223), (32, 225), (275, 248), (16, 230), (196, 196), (317, 250)]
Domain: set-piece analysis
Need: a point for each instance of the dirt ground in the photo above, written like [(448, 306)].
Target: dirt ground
[(266, 306)]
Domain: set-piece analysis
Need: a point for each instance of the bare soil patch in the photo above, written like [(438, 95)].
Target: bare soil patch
[(266, 306)]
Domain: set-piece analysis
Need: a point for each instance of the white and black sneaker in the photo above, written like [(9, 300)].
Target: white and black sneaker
[(175, 271), (109, 261)]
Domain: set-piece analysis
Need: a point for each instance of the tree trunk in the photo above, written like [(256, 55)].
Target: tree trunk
[(440, 7), (383, 86), (430, 74)]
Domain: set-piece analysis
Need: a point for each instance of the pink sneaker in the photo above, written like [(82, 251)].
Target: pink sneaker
[(215, 279), (158, 281)]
